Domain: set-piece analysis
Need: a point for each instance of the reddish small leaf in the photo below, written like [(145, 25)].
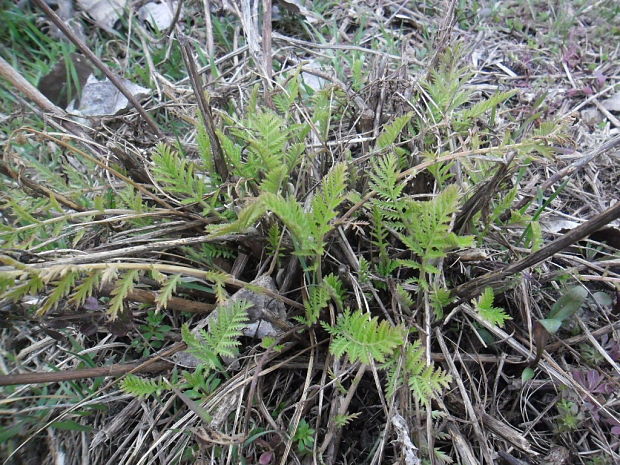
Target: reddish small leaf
[(265, 458)]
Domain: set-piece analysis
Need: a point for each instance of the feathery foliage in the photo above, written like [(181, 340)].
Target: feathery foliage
[(205, 150), (246, 218), (318, 297), (423, 226), (31, 283), (178, 175), (272, 142), (386, 265), (427, 229), (384, 180), (284, 100), (221, 339), (344, 420), (123, 287), (392, 131), (336, 288), (166, 291), (309, 228), (219, 281), (360, 337), (367, 340), (466, 117), (62, 287), (484, 305), (445, 88), (86, 288), (274, 153), (142, 387), (424, 381)]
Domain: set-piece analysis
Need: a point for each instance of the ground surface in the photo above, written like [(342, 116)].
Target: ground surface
[(449, 169)]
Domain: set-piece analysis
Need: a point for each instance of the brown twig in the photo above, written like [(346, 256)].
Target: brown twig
[(442, 39), (68, 375), (566, 171), (66, 30), (483, 195), (267, 52), (136, 250), (39, 189), (175, 19), (40, 100), (497, 278), (30, 91), (177, 304), (207, 116)]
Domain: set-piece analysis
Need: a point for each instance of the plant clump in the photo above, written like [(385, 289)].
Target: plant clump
[(300, 250)]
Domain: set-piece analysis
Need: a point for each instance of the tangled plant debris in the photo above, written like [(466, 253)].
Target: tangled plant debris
[(319, 233)]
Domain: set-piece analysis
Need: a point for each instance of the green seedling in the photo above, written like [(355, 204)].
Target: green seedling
[(153, 333), (304, 437), (565, 307)]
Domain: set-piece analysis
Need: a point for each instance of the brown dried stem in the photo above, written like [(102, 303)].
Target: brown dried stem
[(496, 278), (205, 110), (68, 375), (66, 30)]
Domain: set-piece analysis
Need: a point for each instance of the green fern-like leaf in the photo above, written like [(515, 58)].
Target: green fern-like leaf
[(86, 288), (246, 218), (233, 151), (335, 288), (204, 149), (466, 116), (440, 297), (362, 338), (428, 233), (61, 288), (295, 219), (219, 280), (343, 420), (123, 287), (223, 334), (198, 348), (380, 234), (142, 387), (132, 199), (32, 284), (266, 134), (205, 253), (6, 282), (484, 305), (391, 131), (284, 100), (384, 178), (404, 297), (424, 381), (221, 339), (445, 87), (177, 174), (273, 179), (318, 297), (324, 204), (428, 383), (274, 234), (308, 231), (166, 292)]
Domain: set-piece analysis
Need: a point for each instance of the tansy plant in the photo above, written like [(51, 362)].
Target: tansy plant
[(279, 188)]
